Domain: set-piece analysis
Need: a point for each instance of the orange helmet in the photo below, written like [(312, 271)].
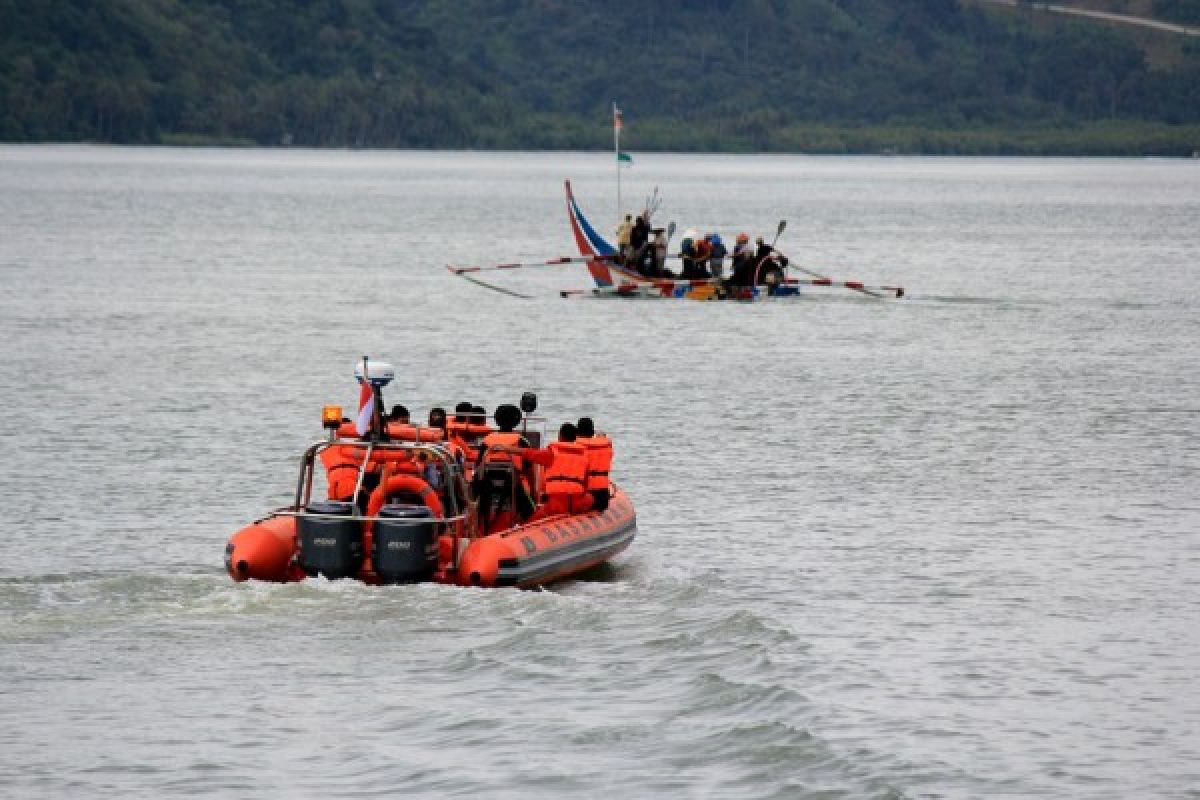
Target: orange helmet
[(742, 238)]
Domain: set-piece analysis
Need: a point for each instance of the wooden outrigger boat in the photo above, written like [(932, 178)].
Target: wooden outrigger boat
[(614, 278), (408, 529)]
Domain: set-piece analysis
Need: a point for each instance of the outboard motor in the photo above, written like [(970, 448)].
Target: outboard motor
[(405, 548), (329, 546)]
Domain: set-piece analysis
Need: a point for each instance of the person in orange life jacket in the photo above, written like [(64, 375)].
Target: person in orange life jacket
[(399, 415), (341, 468), (465, 416), (565, 479), (453, 445), (431, 471), (599, 461), (343, 463), (455, 433), (495, 449)]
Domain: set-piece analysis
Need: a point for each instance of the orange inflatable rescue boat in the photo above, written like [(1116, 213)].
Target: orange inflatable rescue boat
[(409, 504)]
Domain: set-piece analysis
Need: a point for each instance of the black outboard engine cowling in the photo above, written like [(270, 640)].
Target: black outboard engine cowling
[(405, 548), (330, 547)]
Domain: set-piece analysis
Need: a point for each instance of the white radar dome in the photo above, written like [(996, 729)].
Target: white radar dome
[(379, 373)]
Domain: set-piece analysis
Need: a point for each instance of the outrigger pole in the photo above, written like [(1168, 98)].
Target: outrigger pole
[(553, 262)]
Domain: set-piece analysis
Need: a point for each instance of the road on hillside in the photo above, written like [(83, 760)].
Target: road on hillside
[(1123, 19)]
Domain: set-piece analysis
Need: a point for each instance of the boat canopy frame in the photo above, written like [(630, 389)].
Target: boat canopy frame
[(458, 489)]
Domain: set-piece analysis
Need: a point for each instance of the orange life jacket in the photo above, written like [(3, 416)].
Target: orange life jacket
[(567, 473), (408, 433), (343, 463), (599, 460), (469, 431), (503, 439), (341, 470)]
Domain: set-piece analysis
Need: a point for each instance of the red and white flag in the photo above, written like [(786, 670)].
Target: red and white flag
[(366, 407), (618, 123)]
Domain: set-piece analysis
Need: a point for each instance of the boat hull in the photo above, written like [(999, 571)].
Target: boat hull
[(263, 551), (551, 549), (524, 556)]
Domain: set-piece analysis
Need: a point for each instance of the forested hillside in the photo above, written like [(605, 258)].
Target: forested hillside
[(803, 75)]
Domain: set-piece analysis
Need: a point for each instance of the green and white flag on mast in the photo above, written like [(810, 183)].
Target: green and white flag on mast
[(623, 158)]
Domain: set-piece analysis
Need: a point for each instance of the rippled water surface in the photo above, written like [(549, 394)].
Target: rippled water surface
[(937, 547)]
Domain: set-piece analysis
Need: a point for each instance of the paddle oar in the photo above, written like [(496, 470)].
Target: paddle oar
[(554, 262), (855, 285), (825, 280), (898, 291)]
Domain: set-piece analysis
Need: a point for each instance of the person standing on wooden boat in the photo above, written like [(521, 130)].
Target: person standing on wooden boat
[(765, 251), (704, 256), (660, 252), (599, 461), (716, 259), (565, 481), (624, 231), (741, 246), (639, 238), (701, 252), (743, 263), (687, 255), (768, 264)]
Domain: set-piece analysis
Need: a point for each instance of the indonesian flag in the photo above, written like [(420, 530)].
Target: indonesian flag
[(618, 123), (366, 408)]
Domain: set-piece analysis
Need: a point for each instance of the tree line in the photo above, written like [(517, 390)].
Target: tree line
[(724, 75)]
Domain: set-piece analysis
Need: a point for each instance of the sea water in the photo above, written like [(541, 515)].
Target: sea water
[(938, 547)]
